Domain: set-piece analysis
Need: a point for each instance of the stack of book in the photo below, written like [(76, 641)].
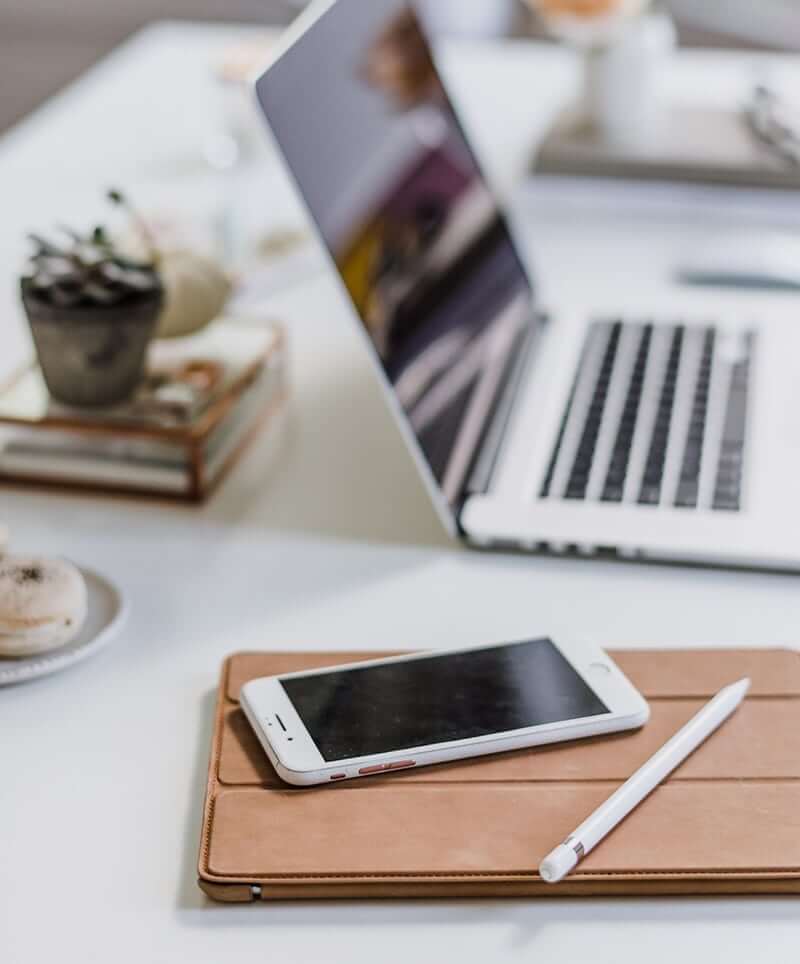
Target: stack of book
[(201, 402)]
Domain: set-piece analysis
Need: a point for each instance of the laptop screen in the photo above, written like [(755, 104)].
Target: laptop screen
[(362, 117)]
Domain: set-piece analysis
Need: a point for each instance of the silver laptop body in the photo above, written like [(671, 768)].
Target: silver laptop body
[(653, 433)]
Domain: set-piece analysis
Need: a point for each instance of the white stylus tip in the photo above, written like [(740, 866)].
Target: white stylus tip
[(557, 864), (740, 689)]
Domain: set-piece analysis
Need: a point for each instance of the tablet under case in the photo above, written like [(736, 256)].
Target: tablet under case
[(726, 822)]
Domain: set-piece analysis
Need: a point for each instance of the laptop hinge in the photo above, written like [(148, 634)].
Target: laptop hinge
[(480, 476)]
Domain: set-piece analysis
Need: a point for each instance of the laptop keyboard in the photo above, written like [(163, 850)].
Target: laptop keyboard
[(656, 417)]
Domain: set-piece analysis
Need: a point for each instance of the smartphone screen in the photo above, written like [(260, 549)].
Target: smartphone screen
[(438, 699)]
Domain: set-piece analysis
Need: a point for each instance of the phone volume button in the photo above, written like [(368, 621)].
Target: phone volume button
[(402, 765)]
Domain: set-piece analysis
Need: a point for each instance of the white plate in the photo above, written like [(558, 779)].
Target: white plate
[(106, 613)]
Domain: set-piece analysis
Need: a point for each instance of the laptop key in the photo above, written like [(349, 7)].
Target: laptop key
[(614, 487), (728, 484), (582, 465), (650, 492), (689, 482)]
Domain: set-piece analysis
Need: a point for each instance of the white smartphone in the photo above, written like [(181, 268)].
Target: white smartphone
[(361, 719)]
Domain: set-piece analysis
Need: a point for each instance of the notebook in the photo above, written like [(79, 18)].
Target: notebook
[(703, 145)]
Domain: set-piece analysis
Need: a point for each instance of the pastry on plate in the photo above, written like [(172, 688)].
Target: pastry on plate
[(43, 604)]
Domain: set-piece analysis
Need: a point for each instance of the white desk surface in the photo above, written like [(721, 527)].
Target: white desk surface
[(104, 766)]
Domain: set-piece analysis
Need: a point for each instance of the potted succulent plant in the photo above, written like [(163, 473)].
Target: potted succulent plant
[(92, 312)]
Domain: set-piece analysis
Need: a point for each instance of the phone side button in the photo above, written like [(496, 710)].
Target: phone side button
[(365, 771), (339, 776), (402, 765)]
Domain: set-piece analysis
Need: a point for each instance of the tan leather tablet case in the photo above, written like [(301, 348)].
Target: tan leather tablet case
[(727, 821)]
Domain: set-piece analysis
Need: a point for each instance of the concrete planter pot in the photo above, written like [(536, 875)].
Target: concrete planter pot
[(92, 356)]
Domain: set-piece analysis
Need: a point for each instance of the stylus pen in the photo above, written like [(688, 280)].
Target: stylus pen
[(557, 864)]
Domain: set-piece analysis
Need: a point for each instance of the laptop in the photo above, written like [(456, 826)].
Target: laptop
[(644, 435)]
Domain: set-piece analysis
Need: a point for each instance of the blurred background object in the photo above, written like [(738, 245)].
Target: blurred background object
[(588, 23), (624, 46), (46, 43), (474, 19), (769, 23)]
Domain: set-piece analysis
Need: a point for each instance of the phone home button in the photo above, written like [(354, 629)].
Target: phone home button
[(600, 669)]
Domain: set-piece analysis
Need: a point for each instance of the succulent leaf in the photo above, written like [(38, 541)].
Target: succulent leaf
[(89, 270)]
